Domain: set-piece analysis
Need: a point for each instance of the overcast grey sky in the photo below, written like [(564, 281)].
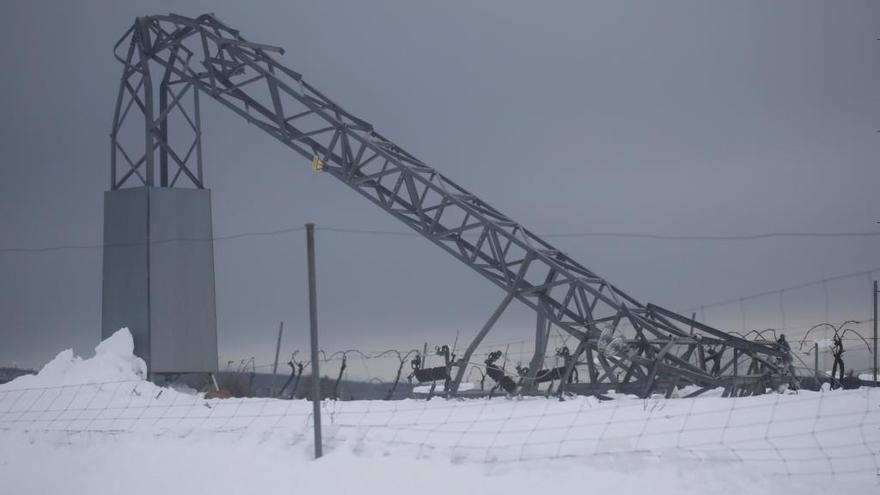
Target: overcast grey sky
[(710, 118)]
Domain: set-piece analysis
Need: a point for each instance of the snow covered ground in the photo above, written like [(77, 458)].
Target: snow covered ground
[(96, 426)]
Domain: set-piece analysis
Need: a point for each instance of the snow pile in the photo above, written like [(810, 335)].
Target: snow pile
[(165, 465), (114, 361), (117, 423)]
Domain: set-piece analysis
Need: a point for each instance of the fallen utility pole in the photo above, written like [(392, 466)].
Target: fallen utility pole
[(313, 327)]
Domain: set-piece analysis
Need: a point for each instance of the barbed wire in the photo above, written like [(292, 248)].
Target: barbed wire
[(396, 360)]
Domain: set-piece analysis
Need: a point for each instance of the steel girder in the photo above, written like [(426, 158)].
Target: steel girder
[(617, 335)]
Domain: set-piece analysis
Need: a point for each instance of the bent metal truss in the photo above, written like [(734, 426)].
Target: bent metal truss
[(170, 61)]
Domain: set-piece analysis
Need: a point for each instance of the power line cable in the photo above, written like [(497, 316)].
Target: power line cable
[(637, 235), (338, 230), (240, 235), (750, 237), (784, 289)]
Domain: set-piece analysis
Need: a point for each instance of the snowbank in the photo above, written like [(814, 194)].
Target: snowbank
[(114, 361), (129, 435), (242, 466)]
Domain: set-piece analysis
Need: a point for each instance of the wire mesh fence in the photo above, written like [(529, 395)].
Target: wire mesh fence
[(830, 433)]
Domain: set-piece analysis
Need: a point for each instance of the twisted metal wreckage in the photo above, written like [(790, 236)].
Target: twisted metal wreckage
[(625, 345)]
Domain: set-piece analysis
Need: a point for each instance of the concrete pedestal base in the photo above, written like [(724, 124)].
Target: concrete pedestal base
[(159, 276)]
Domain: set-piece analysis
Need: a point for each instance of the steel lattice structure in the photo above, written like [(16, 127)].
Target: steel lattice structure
[(626, 345)]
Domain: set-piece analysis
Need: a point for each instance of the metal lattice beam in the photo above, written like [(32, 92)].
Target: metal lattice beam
[(616, 333)]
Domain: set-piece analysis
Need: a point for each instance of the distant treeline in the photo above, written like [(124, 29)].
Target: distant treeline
[(249, 384), (262, 384), (8, 374)]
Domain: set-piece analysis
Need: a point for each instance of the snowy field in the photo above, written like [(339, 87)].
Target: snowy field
[(96, 426)]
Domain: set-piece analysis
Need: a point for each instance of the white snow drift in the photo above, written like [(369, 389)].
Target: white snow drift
[(114, 361), (96, 426)]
